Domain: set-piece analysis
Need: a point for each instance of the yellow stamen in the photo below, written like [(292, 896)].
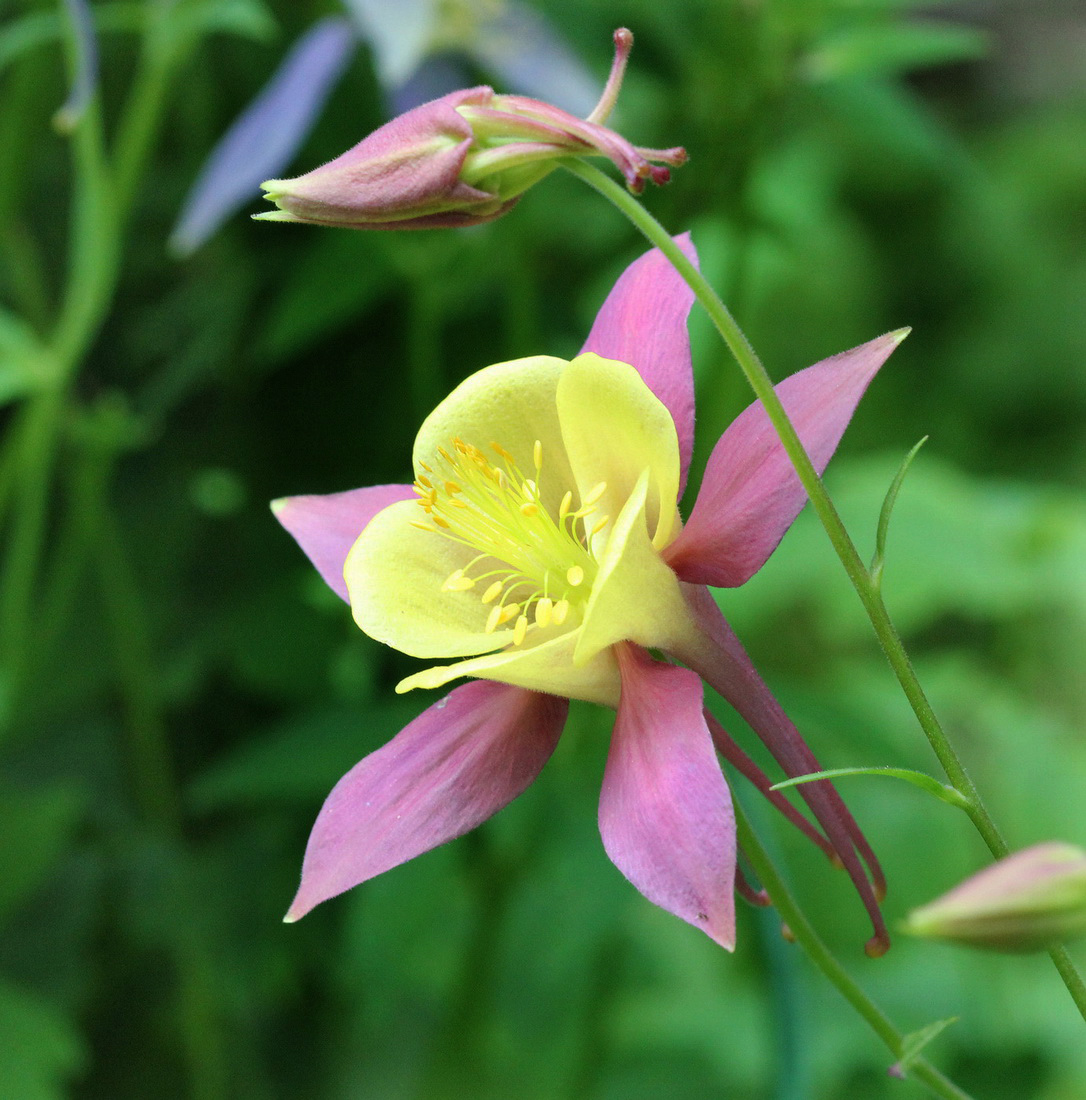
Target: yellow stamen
[(537, 455), (457, 582), (492, 619), (493, 592), (425, 482), (451, 487), (439, 521), (509, 611), (564, 507), (498, 449), (544, 609), (529, 508), (574, 574), (423, 527), (600, 525), (594, 494), (561, 610), (520, 630)]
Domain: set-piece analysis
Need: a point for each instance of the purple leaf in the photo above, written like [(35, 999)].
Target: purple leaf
[(85, 80), (267, 134), (522, 48)]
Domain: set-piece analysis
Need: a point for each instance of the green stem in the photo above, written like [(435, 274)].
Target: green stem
[(817, 951), (866, 587), (101, 200)]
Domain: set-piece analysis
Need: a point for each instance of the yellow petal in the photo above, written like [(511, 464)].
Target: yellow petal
[(395, 575), (547, 667), (614, 427), (511, 404), (636, 596)]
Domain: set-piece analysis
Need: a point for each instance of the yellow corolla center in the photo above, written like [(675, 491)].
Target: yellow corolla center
[(534, 569)]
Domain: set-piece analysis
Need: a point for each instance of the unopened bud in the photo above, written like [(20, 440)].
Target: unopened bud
[(462, 159), (1025, 902)]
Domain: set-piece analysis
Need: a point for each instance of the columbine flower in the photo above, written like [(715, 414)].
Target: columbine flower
[(541, 550), (1025, 902), (462, 159)]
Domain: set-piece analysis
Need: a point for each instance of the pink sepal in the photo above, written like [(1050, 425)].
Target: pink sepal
[(450, 769), (643, 323), (326, 526), (665, 810), (750, 494)]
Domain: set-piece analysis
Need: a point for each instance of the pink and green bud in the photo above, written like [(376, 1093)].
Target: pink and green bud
[(1025, 902), (463, 159)]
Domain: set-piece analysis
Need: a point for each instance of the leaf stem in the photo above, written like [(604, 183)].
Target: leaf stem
[(867, 588)]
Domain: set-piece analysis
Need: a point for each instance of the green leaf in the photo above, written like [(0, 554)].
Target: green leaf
[(917, 779), (41, 1050), (887, 508), (21, 358), (893, 47), (40, 28), (245, 18), (913, 1044), (317, 298), (300, 759), (37, 829)]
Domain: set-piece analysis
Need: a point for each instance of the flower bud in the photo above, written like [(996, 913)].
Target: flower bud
[(1025, 902), (462, 159)]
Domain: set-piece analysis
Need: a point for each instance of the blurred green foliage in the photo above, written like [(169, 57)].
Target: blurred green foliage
[(189, 691)]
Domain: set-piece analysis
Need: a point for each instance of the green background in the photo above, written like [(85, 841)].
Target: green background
[(189, 691)]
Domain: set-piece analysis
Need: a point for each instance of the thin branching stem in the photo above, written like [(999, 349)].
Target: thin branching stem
[(824, 959)]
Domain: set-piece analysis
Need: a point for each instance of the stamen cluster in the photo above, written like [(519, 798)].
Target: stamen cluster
[(539, 567)]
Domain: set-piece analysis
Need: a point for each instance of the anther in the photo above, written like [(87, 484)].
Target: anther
[(498, 449), (544, 610), (594, 494), (529, 508), (493, 592), (492, 619), (451, 487), (438, 520), (520, 630), (561, 610), (457, 582), (509, 611), (564, 507), (574, 574), (537, 455), (423, 527), (600, 525), (424, 482)]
